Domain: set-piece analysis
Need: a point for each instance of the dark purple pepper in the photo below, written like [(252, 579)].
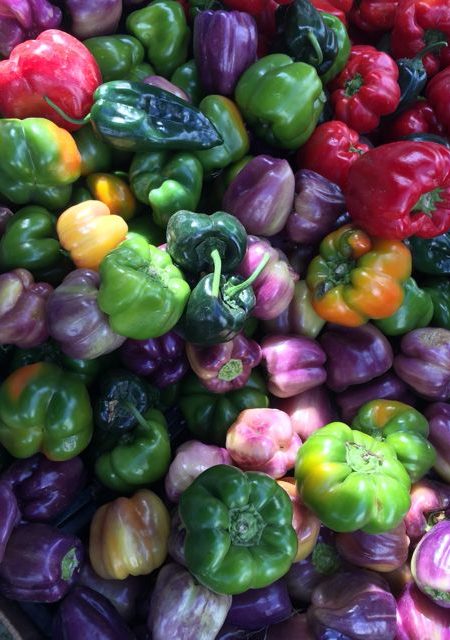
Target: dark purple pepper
[(91, 19), (41, 563), (258, 608), (438, 416), (121, 593), (430, 564), (10, 516), (225, 44), (23, 20), (43, 487), (162, 360)]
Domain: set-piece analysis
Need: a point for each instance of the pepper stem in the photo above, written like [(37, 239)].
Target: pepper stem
[(64, 115), (316, 46), (237, 288), (430, 47), (217, 260), (135, 413)]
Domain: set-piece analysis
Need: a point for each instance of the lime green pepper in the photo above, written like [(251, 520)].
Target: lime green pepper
[(344, 46), (116, 54), (186, 77), (439, 290), (415, 311), (286, 122), (161, 27)]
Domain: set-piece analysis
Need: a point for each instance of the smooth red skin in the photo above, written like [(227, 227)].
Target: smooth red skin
[(374, 15), (378, 96), (386, 183), (253, 7), (438, 94), (55, 65), (327, 7), (412, 20), (331, 151), (419, 118)]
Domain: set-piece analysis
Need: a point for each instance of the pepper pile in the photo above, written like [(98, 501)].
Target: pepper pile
[(225, 318)]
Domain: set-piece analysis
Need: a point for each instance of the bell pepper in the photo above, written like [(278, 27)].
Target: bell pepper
[(299, 318), (11, 518), (352, 481), (128, 536), (186, 77), (437, 93), (39, 162), (168, 181), (415, 311), (366, 89), (253, 7), (138, 457), (161, 27), (336, 24), (43, 408), (88, 20), (56, 65), (239, 532), (403, 428), (192, 237), (417, 118), (20, 22), (290, 124), (439, 291), (373, 15), (115, 192), (116, 54), (411, 197), (431, 255), (141, 290), (343, 276), (438, 415), (163, 83), (144, 226)]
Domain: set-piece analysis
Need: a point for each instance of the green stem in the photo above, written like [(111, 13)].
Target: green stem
[(428, 48), (64, 115), (232, 291), (135, 413), (217, 260), (316, 46)]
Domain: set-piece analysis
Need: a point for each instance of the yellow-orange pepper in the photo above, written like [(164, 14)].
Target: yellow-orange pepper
[(88, 231), (114, 192)]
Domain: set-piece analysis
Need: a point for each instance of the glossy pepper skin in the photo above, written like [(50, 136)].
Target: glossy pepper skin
[(342, 277), (403, 428), (437, 93), (439, 291), (366, 89), (22, 21), (39, 162), (417, 118), (87, 19), (186, 77), (115, 54), (256, 96), (373, 15), (96, 155), (337, 25), (239, 532), (351, 481), (141, 290), (11, 515), (414, 198), (44, 409), (71, 77), (431, 255), (114, 191), (415, 311)]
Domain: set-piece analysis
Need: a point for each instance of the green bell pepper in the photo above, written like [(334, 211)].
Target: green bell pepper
[(415, 311), (209, 415), (43, 408), (439, 290), (225, 116), (186, 77), (141, 290), (239, 532), (161, 27), (145, 227), (352, 481), (168, 181), (343, 47), (191, 238), (115, 54), (139, 72), (286, 123), (96, 155), (139, 457), (403, 428), (431, 255)]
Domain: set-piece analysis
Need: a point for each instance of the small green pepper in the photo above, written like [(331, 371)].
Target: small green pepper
[(415, 311), (186, 77), (116, 54)]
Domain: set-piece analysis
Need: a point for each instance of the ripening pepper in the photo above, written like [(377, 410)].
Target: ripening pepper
[(113, 191), (439, 291), (39, 162), (415, 311), (115, 54), (288, 124), (357, 277), (44, 409)]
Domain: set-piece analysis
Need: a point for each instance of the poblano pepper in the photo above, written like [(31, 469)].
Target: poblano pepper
[(415, 311)]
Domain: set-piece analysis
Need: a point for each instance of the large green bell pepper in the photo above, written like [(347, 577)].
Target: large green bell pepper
[(403, 428), (343, 46), (168, 181), (286, 123), (161, 27), (415, 311), (209, 415), (139, 457), (352, 481), (116, 55), (141, 290), (43, 408), (186, 77), (239, 532), (439, 290), (431, 255)]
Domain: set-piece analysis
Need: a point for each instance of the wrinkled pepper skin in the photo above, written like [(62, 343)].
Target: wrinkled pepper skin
[(351, 481), (416, 311), (11, 515), (23, 21), (116, 54), (239, 532), (256, 96), (44, 409), (39, 162)]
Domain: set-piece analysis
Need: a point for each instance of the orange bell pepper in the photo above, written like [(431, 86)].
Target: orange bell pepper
[(357, 278), (129, 536), (88, 231), (114, 192)]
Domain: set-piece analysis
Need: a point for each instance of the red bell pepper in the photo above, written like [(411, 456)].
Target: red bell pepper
[(56, 65), (253, 7), (366, 89), (344, 5), (374, 15), (418, 23), (438, 94), (327, 7), (401, 189), (331, 150), (418, 118)]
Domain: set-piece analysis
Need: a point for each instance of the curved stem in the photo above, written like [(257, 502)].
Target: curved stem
[(217, 260), (232, 291), (316, 46), (64, 115), (430, 47), (135, 413)]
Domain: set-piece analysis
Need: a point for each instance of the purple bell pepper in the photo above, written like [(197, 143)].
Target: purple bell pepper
[(428, 497), (89, 19), (43, 487), (274, 287), (419, 618), (438, 416), (355, 354), (86, 614), (424, 362), (261, 195), (309, 410), (41, 563), (225, 44), (318, 203), (430, 564), (294, 628), (23, 317), (162, 360), (75, 320), (355, 605), (163, 83), (5, 213), (22, 20), (10, 516), (258, 608)]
